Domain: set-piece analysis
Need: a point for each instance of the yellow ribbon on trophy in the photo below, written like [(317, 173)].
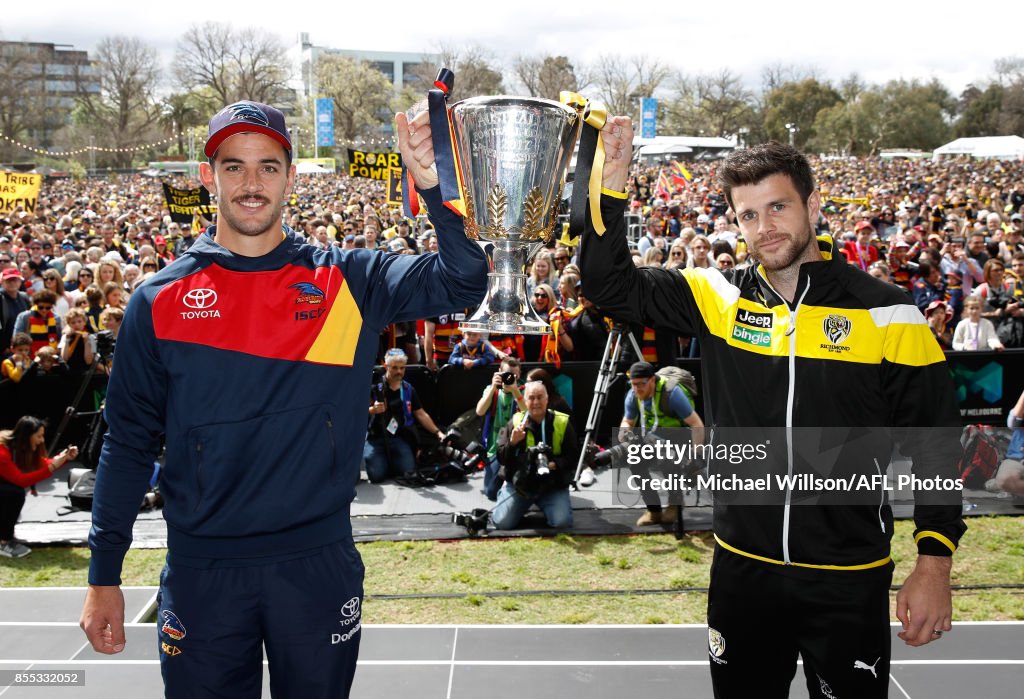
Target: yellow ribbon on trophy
[(589, 162)]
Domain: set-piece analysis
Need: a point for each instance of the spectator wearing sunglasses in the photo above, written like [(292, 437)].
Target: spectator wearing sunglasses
[(40, 322)]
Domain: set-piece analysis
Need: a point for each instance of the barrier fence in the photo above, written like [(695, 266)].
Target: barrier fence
[(988, 385)]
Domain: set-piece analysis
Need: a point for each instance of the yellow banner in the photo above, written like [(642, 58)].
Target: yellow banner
[(372, 165), (861, 201), (19, 190), (395, 186)]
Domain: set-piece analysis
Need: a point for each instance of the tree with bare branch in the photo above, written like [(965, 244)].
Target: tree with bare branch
[(124, 111), (623, 82), (546, 76), (477, 72), (22, 103), (237, 64)]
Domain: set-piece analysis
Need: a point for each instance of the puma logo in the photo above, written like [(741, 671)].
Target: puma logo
[(861, 665)]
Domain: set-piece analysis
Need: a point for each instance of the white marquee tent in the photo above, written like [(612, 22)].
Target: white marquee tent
[(994, 147)]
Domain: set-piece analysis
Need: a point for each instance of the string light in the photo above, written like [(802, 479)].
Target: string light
[(370, 143), (86, 149)]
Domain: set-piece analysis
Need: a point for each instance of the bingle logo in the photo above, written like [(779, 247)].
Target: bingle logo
[(201, 300), (758, 320)]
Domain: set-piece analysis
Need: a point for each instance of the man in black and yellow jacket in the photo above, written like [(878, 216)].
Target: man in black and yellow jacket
[(812, 370)]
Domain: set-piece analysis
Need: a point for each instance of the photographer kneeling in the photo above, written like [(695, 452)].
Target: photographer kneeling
[(538, 452), (390, 448)]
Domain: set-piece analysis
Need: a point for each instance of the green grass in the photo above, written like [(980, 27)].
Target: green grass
[(992, 553)]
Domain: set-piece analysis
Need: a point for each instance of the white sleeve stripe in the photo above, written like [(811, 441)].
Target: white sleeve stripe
[(903, 314), (717, 282)]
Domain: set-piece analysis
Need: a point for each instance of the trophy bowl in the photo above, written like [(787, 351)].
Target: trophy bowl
[(513, 153)]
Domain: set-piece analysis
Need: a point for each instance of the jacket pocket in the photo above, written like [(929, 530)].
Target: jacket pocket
[(262, 475)]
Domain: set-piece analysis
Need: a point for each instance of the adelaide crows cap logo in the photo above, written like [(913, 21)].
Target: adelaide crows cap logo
[(247, 117), (308, 293), (172, 626)]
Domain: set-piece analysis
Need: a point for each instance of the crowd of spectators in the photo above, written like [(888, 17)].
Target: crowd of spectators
[(949, 232)]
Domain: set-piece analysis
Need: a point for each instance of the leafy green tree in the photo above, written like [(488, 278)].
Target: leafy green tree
[(362, 96), (712, 105), (796, 104)]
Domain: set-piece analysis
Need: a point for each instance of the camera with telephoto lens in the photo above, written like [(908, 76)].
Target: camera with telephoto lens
[(105, 343), (538, 458), (534, 478), (508, 378), (450, 460), (617, 455), (474, 522)]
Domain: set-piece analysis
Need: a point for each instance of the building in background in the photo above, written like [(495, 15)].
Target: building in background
[(399, 67), (38, 88)]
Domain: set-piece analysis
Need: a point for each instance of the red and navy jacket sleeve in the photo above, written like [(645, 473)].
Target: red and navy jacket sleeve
[(410, 287), (134, 411)]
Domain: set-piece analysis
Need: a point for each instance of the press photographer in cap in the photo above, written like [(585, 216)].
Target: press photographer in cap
[(537, 451), (655, 407)]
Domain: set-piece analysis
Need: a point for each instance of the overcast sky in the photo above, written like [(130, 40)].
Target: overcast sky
[(879, 39)]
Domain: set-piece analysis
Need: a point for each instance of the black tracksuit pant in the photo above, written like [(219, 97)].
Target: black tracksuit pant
[(761, 616)]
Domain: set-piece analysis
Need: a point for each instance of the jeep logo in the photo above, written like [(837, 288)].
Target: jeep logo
[(758, 320)]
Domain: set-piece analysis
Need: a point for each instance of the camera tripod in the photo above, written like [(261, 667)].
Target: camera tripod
[(606, 375), (95, 428)]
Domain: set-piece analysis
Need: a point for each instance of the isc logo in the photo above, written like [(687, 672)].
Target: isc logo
[(311, 314)]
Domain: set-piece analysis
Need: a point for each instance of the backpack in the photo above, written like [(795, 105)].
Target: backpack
[(980, 459), (674, 376)]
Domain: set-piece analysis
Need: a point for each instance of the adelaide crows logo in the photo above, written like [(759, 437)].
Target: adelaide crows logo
[(247, 111), (308, 293), (172, 626)]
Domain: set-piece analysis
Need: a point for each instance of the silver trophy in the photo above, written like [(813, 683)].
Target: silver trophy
[(513, 153)]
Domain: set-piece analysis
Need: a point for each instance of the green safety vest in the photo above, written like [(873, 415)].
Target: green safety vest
[(659, 416), (561, 421)]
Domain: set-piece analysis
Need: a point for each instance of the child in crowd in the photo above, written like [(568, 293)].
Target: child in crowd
[(15, 366), (77, 345), (975, 332), (472, 351)]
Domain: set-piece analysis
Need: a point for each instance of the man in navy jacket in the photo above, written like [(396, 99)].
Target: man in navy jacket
[(262, 400)]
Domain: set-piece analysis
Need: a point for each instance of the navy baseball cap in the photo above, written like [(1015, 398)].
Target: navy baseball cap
[(247, 117)]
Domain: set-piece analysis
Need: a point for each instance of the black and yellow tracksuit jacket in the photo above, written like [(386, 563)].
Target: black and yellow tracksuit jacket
[(826, 384)]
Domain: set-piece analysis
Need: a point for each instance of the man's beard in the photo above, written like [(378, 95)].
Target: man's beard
[(787, 253), (250, 226)]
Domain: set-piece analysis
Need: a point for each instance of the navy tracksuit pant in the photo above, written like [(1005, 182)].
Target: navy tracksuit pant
[(213, 623)]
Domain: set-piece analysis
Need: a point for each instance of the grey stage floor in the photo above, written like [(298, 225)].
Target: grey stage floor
[(39, 633)]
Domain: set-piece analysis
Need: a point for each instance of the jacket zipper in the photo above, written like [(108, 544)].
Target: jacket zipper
[(199, 476), (881, 498), (334, 459), (790, 399)]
